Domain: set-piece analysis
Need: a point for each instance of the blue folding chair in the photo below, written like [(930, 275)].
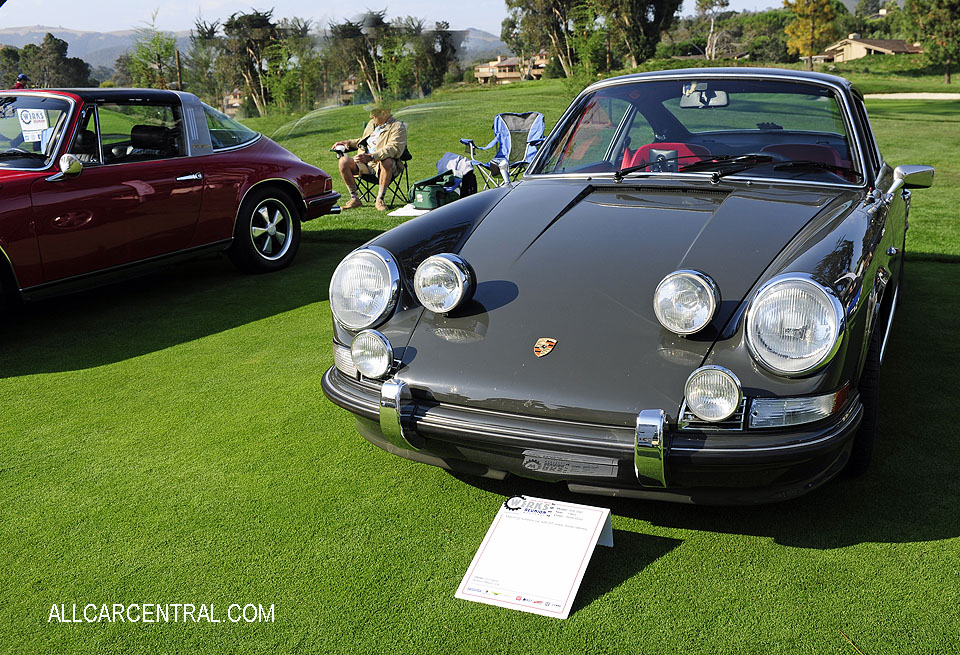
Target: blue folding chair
[(517, 137)]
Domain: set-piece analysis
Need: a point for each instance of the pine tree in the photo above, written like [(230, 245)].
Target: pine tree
[(938, 22)]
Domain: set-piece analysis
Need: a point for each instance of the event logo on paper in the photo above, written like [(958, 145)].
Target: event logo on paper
[(517, 503)]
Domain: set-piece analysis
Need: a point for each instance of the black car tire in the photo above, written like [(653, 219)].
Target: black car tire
[(257, 249), (862, 452)]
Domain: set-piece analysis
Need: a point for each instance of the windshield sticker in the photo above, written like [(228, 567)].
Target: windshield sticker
[(32, 123)]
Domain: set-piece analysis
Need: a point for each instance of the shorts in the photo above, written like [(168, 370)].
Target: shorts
[(370, 168), (373, 167)]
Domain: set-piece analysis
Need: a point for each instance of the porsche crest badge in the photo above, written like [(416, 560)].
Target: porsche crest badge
[(543, 346)]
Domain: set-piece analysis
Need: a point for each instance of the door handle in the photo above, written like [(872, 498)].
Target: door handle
[(189, 177)]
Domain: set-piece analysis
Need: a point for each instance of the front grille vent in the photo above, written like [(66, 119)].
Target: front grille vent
[(690, 421)]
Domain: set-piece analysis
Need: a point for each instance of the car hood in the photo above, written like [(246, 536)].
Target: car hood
[(579, 264)]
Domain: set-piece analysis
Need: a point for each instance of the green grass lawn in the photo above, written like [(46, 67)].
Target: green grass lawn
[(167, 441)]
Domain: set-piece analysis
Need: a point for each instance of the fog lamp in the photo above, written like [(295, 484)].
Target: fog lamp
[(712, 393), (372, 354)]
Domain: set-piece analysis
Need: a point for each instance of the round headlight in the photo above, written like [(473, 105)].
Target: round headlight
[(793, 325), (442, 282), (685, 301), (372, 354), (364, 288), (713, 393)]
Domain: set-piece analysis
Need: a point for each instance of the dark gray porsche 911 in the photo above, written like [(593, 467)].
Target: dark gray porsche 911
[(687, 297)]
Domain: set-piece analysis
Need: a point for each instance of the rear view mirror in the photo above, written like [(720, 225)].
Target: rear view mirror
[(697, 98)]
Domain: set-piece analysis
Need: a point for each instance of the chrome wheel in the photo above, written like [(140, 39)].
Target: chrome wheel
[(271, 230)]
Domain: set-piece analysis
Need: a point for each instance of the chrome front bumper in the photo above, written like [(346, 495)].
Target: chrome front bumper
[(647, 460), (648, 448)]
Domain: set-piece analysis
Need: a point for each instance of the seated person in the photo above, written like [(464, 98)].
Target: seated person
[(383, 142)]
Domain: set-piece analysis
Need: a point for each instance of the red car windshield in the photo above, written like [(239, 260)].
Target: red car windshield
[(30, 126)]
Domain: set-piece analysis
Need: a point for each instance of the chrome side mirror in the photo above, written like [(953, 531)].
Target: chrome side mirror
[(914, 177), (909, 177), (70, 166)]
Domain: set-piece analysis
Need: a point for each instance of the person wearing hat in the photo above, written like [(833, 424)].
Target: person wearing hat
[(21, 82), (381, 146)]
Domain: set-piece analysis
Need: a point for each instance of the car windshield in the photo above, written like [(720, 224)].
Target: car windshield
[(756, 127), (30, 127)]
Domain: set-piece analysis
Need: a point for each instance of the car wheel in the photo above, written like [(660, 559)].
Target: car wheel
[(869, 388), (267, 234)]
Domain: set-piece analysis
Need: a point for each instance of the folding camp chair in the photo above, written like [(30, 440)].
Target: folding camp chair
[(368, 185), (517, 137)]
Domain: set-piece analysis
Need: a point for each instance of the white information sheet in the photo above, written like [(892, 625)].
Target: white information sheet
[(535, 554), (32, 123)]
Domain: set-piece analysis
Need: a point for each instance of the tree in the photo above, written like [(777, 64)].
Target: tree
[(363, 42), (518, 39), (589, 40), (9, 66), (868, 8), (202, 74), (938, 23), (547, 23), (47, 65), (152, 58), (640, 23), (121, 71), (304, 58), (247, 36), (711, 8), (813, 28)]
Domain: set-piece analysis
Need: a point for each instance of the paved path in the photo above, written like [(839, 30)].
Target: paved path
[(913, 96)]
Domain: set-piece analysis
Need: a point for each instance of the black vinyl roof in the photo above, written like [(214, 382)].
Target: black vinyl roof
[(108, 94)]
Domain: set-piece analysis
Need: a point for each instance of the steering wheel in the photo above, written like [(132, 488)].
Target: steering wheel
[(26, 152)]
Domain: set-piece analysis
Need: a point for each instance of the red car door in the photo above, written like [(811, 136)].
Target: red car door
[(138, 204)]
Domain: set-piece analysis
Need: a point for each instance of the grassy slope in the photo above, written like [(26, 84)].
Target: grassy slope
[(167, 441)]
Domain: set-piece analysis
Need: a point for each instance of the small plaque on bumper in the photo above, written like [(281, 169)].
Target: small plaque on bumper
[(544, 461)]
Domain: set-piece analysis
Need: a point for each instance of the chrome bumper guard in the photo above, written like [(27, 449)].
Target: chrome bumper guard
[(649, 451), (393, 394)]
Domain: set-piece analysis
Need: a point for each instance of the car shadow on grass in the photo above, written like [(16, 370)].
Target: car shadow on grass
[(912, 490), (166, 308)]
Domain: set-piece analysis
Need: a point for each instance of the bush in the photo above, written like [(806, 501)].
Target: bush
[(452, 77), (553, 69), (681, 49), (469, 77)]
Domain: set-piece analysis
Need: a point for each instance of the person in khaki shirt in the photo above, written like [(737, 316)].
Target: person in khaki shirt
[(381, 146)]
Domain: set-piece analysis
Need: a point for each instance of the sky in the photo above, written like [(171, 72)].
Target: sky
[(175, 15)]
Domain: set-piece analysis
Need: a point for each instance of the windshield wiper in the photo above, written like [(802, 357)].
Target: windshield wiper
[(740, 164), (619, 175), (21, 154), (806, 163)]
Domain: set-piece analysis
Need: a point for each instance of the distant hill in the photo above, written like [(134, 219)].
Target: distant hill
[(481, 45), (103, 48), (95, 48)]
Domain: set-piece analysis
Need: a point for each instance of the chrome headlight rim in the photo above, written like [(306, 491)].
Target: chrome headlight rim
[(720, 369), (464, 279), (827, 292), (393, 293), (382, 339), (699, 277)]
